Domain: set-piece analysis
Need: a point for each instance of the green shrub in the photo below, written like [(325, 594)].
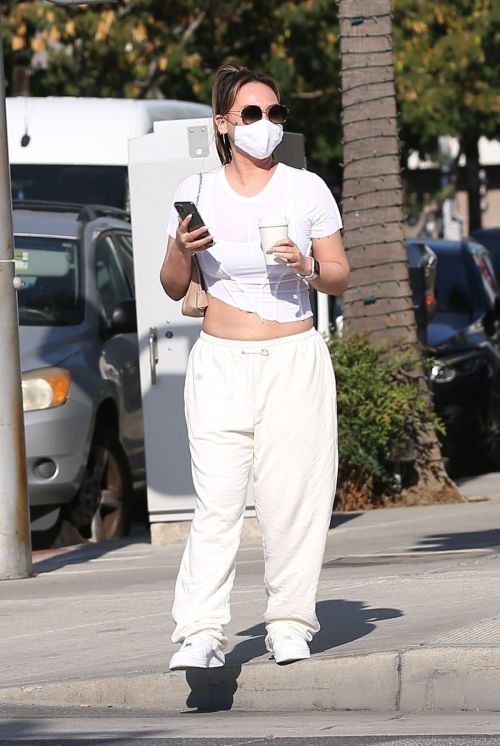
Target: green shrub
[(381, 408)]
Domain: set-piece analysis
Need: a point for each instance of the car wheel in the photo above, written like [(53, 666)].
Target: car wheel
[(101, 508), (490, 443)]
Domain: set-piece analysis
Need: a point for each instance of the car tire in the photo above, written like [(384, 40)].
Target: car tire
[(101, 508), (489, 450)]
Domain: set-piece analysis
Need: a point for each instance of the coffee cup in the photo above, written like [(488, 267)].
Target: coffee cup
[(272, 229)]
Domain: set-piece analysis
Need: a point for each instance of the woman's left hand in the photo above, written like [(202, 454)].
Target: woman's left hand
[(289, 251)]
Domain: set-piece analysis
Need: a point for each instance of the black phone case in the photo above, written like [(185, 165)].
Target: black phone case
[(189, 208)]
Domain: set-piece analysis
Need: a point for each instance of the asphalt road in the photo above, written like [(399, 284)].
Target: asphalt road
[(54, 726), (322, 741)]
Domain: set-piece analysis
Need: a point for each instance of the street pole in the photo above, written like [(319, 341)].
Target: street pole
[(15, 537)]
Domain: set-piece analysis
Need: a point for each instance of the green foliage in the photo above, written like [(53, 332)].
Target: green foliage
[(445, 59), (161, 48), (381, 408), (445, 54)]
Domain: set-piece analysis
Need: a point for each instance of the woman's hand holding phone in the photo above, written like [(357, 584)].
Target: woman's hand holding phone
[(196, 239)]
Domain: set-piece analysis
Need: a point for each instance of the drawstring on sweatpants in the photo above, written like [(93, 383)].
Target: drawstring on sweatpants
[(262, 352)]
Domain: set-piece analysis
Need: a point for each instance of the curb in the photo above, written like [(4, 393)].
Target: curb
[(176, 532), (417, 679)]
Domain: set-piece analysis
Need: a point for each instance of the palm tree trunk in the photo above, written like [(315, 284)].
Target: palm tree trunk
[(379, 301)]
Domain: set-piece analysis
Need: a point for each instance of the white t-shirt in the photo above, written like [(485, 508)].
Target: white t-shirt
[(234, 268)]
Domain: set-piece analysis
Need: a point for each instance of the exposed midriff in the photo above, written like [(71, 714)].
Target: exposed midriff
[(228, 322)]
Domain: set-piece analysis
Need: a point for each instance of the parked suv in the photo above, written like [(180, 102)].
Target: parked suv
[(463, 342), (80, 371)]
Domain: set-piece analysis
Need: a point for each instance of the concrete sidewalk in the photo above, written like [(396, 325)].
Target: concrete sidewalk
[(409, 604)]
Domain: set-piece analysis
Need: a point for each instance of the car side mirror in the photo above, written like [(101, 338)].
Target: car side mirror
[(124, 318)]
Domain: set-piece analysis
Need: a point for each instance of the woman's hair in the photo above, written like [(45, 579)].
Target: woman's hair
[(228, 81)]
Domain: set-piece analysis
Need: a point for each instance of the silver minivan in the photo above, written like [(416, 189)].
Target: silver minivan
[(80, 369)]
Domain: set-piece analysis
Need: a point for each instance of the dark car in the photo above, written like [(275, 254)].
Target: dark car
[(490, 237), (463, 343), (80, 370)]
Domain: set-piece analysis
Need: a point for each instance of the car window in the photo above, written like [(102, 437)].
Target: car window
[(486, 273), (49, 268), (123, 243), (112, 284)]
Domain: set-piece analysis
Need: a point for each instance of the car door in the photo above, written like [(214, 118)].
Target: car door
[(119, 358)]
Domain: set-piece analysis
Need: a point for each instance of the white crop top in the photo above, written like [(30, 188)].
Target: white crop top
[(234, 268)]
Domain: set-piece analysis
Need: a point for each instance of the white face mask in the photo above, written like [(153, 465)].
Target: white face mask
[(258, 139)]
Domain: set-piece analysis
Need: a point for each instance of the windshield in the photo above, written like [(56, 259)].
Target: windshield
[(104, 185), (50, 272), (453, 291)]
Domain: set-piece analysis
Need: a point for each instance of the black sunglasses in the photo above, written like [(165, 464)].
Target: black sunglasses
[(276, 113)]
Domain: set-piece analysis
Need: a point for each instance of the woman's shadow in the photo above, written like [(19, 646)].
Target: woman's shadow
[(341, 622)]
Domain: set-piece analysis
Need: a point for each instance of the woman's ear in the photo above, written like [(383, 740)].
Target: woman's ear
[(221, 124)]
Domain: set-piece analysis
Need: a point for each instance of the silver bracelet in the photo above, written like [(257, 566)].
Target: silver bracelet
[(311, 273)]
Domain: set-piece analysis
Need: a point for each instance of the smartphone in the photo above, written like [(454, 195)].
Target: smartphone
[(189, 208)]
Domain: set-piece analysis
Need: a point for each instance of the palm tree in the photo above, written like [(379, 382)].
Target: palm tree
[(379, 301)]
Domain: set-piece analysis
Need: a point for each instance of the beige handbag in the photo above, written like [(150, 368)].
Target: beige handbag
[(195, 301)]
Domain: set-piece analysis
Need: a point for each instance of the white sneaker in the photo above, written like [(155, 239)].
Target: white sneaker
[(196, 652), (290, 647)]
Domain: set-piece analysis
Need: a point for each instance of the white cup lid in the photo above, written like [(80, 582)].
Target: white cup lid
[(273, 221)]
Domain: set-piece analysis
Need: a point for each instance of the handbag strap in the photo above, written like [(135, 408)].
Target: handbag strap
[(194, 258), (199, 188)]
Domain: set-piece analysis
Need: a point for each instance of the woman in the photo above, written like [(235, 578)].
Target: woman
[(260, 389)]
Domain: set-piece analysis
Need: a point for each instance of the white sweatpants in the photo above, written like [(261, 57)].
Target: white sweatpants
[(269, 405)]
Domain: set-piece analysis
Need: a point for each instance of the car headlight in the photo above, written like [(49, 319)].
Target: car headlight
[(466, 365), (443, 373), (45, 388)]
